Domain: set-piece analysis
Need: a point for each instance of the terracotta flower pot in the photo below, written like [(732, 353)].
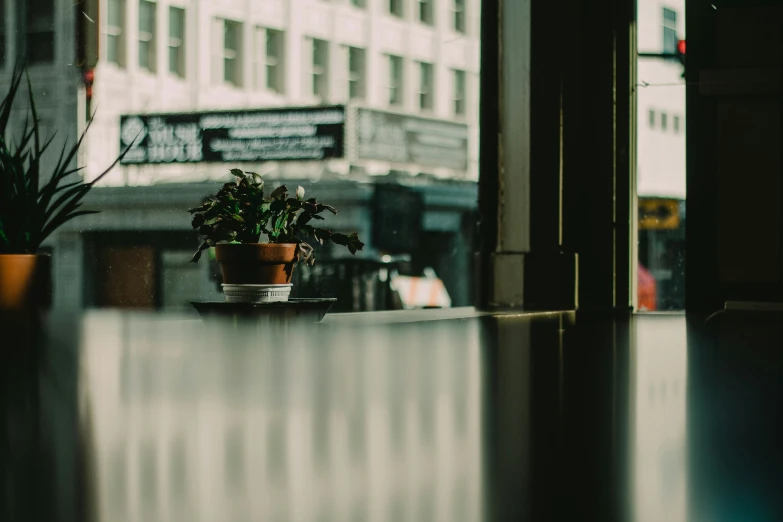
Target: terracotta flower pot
[(25, 281), (256, 263)]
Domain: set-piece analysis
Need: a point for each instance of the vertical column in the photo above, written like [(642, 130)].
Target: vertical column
[(504, 197), (555, 155), (521, 262)]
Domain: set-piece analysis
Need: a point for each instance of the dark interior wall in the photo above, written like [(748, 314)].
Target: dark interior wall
[(735, 191)]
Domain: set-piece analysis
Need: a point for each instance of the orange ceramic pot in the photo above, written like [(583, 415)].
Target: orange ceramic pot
[(256, 263), (25, 281)]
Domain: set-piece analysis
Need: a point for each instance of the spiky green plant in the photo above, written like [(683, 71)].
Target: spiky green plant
[(35, 200)]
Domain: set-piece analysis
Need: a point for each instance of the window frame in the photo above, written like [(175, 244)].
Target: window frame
[(38, 29), (177, 44), (459, 22), (426, 12), (269, 73), (396, 98), (117, 32), (233, 55), (357, 72), (275, 62), (396, 8), (669, 27), (459, 83), (426, 88), (319, 72), (148, 37)]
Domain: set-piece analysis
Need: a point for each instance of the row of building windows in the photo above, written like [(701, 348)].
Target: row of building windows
[(269, 54), (40, 25), (425, 11), (662, 119)]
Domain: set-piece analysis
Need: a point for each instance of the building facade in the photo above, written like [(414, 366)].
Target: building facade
[(661, 100), (416, 57)]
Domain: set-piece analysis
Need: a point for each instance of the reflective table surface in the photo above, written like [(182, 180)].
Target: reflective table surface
[(113, 416)]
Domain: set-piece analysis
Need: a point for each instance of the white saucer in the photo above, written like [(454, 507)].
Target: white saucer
[(256, 293)]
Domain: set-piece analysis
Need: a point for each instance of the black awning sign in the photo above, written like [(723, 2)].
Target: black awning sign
[(313, 133)]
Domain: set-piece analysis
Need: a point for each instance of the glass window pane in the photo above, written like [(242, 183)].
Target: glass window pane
[(231, 40), (176, 23), (145, 50), (115, 32), (272, 43), (396, 83), (459, 92), (177, 41), (147, 29), (114, 13), (39, 39), (669, 31), (459, 16), (112, 48), (147, 17), (232, 60), (660, 158), (426, 12), (396, 7), (407, 138), (425, 86)]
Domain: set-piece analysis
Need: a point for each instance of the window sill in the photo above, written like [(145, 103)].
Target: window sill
[(402, 316), (420, 316)]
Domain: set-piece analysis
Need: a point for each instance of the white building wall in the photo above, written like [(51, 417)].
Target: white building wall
[(661, 153), (129, 89)]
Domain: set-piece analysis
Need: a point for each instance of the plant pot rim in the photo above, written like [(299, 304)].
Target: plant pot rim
[(25, 255)]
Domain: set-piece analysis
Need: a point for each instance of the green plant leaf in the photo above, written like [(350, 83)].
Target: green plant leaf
[(280, 191), (203, 246)]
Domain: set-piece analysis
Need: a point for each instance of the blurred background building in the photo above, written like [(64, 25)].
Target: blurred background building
[(402, 171)]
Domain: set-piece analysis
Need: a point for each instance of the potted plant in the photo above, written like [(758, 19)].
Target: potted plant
[(34, 202), (240, 216)]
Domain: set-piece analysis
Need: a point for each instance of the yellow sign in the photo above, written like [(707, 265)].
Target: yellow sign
[(659, 214)]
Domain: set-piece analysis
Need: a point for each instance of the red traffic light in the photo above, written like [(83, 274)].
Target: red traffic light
[(681, 47)]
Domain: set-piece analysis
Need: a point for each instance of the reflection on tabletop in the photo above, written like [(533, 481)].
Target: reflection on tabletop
[(117, 416)]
